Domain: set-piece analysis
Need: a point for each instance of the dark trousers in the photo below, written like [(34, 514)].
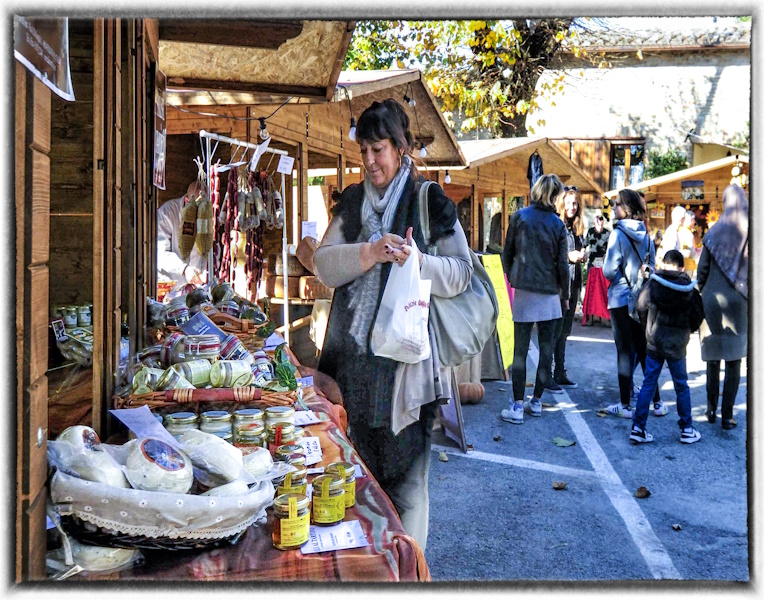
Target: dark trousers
[(731, 385), (547, 331), (564, 327), (629, 337)]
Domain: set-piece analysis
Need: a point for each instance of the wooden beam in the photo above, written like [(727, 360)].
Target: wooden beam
[(231, 32), (151, 31), (245, 86), (340, 60)]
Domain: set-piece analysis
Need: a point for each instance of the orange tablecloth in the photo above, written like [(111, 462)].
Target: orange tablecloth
[(595, 298), (392, 554)]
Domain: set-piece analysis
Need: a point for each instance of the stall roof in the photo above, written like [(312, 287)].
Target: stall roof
[(427, 122), (727, 161), (263, 61), (554, 160)]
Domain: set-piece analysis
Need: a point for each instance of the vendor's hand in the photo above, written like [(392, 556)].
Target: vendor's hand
[(402, 253), (382, 249), (196, 278)]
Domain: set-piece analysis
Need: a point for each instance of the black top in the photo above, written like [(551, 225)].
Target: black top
[(596, 243)]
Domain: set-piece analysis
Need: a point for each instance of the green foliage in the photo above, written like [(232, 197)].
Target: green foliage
[(664, 163), (486, 70), (284, 369), (316, 180), (266, 330)]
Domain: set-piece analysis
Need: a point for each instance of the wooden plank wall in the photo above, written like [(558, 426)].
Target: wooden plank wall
[(593, 157), (32, 205), (71, 177), (180, 169)]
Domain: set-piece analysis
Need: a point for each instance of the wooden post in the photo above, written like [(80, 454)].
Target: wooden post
[(303, 179), (32, 205), (504, 214), (341, 163)]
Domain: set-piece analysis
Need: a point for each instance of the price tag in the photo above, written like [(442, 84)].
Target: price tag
[(348, 534), (285, 165), (305, 381), (59, 330), (305, 417), (312, 447)]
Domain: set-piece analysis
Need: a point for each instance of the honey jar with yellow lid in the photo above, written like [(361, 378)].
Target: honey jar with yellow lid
[(291, 521), (347, 470), (294, 482), (328, 499)]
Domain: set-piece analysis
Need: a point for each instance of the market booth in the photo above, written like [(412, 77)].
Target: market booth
[(86, 205)]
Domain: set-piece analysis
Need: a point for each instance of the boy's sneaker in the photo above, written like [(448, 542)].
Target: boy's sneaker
[(532, 407), (619, 410), (660, 409), (689, 435), (562, 380), (513, 414), (639, 435), (553, 387)]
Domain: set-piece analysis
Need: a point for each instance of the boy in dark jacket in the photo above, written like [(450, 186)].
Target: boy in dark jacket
[(670, 308)]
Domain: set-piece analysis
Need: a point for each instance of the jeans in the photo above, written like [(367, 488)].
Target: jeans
[(731, 385), (629, 337), (653, 367), (547, 331)]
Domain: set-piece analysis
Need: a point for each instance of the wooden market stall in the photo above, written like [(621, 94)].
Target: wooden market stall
[(698, 188), (495, 181)]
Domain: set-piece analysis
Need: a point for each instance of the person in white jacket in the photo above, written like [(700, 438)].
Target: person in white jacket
[(170, 265)]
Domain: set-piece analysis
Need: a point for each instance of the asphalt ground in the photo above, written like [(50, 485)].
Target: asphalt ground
[(495, 515)]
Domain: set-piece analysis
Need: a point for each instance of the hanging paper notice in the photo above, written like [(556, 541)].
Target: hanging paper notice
[(42, 46), (143, 423), (348, 534), (285, 165), (258, 153), (309, 229)]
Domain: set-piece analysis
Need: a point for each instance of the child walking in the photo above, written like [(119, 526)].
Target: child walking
[(670, 308)]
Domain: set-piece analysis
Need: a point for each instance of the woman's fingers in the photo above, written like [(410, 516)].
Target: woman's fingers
[(409, 235)]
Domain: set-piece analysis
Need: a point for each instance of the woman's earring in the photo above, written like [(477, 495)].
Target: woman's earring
[(400, 160)]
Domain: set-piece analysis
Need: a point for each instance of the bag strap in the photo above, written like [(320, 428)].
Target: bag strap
[(643, 261), (424, 212)]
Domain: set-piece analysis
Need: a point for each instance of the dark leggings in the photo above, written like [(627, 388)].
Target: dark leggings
[(731, 385), (547, 331), (564, 327), (629, 338)]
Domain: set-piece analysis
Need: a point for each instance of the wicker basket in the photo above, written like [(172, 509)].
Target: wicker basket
[(195, 400)]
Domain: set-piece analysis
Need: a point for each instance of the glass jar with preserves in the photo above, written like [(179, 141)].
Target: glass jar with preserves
[(249, 437), (278, 434), (290, 453), (299, 434), (216, 422), (177, 423), (232, 348), (201, 346), (230, 374), (195, 371), (274, 414), (172, 380), (291, 521), (328, 499), (244, 417), (295, 482), (347, 470), (172, 349), (177, 312)]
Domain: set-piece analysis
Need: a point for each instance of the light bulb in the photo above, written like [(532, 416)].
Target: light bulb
[(264, 135), (412, 102), (351, 133), (423, 152), (448, 177)]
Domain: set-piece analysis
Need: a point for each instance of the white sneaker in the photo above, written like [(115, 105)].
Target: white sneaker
[(532, 407), (619, 411), (660, 409), (512, 415), (640, 436), (689, 435)]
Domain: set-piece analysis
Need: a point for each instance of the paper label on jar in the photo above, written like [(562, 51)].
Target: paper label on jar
[(349, 494), (328, 510), (295, 531)]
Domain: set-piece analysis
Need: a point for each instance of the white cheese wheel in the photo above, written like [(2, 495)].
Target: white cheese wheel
[(234, 488), (98, 465), (154, 465), (258, 461), (81, 436), (212, 454)]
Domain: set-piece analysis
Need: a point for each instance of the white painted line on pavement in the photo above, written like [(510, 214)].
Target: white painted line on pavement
[(576, 338), (516, 462), (658, 560)]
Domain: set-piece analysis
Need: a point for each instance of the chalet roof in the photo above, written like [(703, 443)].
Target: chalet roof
[(619, 40)]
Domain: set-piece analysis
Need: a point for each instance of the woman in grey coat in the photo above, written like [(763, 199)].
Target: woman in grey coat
[(390, 405), (723, 282)]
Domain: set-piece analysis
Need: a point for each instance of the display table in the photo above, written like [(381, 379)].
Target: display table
[(391, 556), (595, 298)]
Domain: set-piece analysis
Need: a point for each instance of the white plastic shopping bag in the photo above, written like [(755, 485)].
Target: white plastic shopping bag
[(400, 331)]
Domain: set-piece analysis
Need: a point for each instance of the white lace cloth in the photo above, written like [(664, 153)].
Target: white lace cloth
[(159, 514)]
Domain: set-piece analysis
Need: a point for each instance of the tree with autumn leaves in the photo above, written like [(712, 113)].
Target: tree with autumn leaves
[(483, 72)]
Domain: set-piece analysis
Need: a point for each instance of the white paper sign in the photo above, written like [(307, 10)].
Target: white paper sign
[(144, 424), (312, 447), (273, 341), (309, 229), (285, 165), (348, 534), (305, 381), (305, 417)]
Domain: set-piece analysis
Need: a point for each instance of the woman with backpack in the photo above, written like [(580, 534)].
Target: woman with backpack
[(630, 254)]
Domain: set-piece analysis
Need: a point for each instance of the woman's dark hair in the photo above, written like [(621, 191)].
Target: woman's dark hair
[(632, 204), (385, 121)]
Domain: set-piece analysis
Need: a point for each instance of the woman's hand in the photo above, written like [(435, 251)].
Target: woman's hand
[(400, 253)]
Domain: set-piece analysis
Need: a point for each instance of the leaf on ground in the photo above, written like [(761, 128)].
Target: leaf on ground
[(601, 413), (642, 492), (563, 443), (676, 527), (548, 405), (560, 485), (443, 457), (497, 438), (529, 384), (600, 387), (503, 390)]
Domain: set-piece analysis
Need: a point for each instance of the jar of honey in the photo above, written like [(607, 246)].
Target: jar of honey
[(347, 470), (278, 434), (328, 499), (295, 482), (291, 521), (248, 437)]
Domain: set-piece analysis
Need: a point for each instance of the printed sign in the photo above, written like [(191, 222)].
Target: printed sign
[(42, 46), (305, 417), (160, 129), (59, 330), (312, 447), (285, 165), (143, 424), (348, 534), (309, 229)]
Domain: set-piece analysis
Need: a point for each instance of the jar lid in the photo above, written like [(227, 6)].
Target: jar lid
[(286, 449), (300, 473), (349, 469), (284, 412), (299, 432), (216, 415), (281, 502), (336, 482), (286, 428), (248, 414), (250, 432)]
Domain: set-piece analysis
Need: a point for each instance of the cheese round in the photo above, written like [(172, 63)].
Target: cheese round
[(154, 465)]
